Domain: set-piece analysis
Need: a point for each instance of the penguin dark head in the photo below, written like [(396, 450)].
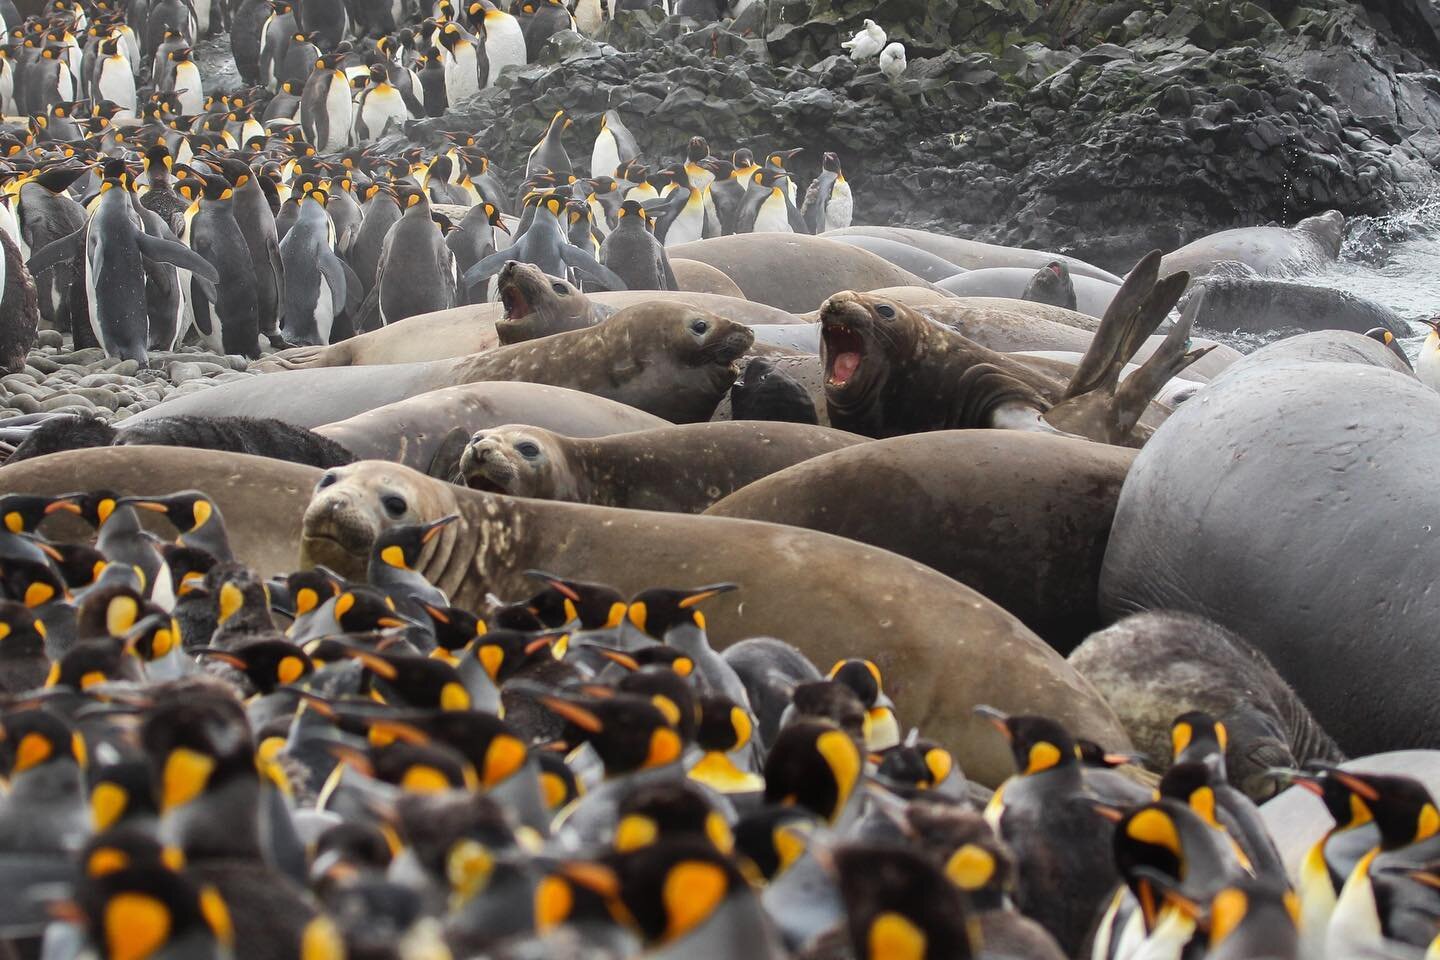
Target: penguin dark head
[(94, 663), (768, 840), (23, 512), (119, 793), (899, 904), (188, 567), (1038, 744), (813, 764), (504, 653), (672, 889), (196, 741), (1091, 754), (1196, 735), (1257, 917), (401, 546), (94, 507), (455, 629), (830, 162), (21, 634), (658, 610), (112, 610), (412, 680), (153, 637), (668, 690), (1403, 809), (628, 731), (666, 811), (32, 583), (1191, 783), (1382, 335), (831, 701), (1344, 797), (763, 392), (267, 664), (915, 767), (595, 606), (422, 767), (36, 739), (189, 510)]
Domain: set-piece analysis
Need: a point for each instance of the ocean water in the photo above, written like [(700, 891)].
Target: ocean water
[(1393, 260)]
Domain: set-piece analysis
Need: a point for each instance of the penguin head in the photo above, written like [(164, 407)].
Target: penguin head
[(196, 742), (830, 701), (588, 606), (36, 739), (153, 637), (915, 767), (267, 664), (1254, 917), (1195, 736), (401, 546), (779, 158), (503, 652), (23, 512), (813, 764), (658, 610), (455, 629), (633, 211), (830, 162), (112, 610), (33, 583), (118, 792), (1038, 744), (1403, 809), (667, 811), (863, 677), (412, 680), (898, 904), (20, 632), (189, 510), (1344, 798), (629, 732), (1191, 783), (674, 889), (94, 663), (770, 838)]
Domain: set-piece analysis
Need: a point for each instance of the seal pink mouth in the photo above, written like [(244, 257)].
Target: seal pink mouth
[(517, 306), (844, 347)]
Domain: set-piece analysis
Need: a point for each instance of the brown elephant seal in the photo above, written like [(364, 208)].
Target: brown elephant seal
[(1023, 518), (430, 431), (461, 331), (697, 277), (943, 648), (262, 500), (889, 370), (665, 358), (679, 469), (973, 254), (537, 305), (793, 271), (1152, 667)]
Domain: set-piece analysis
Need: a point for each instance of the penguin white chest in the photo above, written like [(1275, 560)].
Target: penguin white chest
[(1427, 365), (337, 110), (690, 224), (605, 156), (116, 83), (462, 78), (773, 216), (190, 88), (840, 206), (504, 42)]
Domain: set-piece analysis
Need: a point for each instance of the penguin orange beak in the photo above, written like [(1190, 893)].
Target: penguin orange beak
[(998, 719), (66, 506)]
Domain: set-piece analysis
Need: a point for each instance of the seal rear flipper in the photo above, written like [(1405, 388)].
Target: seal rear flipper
[(56, 252), (177, 255), (1115, 342), (445, 463), (1171, 357), (580, 260)]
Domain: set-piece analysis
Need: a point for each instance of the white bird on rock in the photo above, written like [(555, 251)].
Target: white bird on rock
[(892, 61), (868, 42)]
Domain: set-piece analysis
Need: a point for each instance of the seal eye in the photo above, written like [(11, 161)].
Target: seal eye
[(394, 505), (886, 311), (559, 288), (326, 480), (528, 449), (699, 326)]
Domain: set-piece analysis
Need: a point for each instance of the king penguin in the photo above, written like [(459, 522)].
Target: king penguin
[(634, 254), (828, 201), (549, 156), (614, 145)]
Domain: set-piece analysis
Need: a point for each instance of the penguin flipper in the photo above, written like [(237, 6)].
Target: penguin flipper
[(488, 266), (797, 222), (177, 255), (580, 260), (56, 251), (667, 273)]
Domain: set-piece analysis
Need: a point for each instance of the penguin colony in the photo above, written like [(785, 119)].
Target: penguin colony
[(267, 218), (204, 763)]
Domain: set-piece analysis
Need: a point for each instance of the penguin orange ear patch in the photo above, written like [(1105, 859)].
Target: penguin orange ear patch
[(692, 892), (136, 926)]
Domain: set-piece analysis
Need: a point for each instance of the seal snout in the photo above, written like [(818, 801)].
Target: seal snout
[(485, 465), (842, 346)]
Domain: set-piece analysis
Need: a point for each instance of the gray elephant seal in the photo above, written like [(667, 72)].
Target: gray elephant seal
[(947, 648), (681, 469), (430, 431), (974, 255), (696, 277), (461, 331), (1092, 296), (1152, 667), (1323, 346), (792, 271), (907, 257), (1244, 509), (1023, 518), (667, 359), (262, 500), (1269, 251), (1260, 305)]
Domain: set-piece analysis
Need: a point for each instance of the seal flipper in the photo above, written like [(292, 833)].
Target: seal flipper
[(1091, 406), (445, 463), (1136, 392), (177, 255)]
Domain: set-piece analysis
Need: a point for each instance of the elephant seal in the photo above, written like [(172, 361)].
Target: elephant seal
[(907, 257), (793, 338), (1269, 251), (429, 432), (1247, 508), (942, 647), (1152, 667), (680, 469), (1296, 819), (664, 358), (461, 331), (696, 277), (792, 271), (1020, 517), (1323, 346), (1261, 305), (890, 371), (262, 500), (1092, 296), (974, 255)]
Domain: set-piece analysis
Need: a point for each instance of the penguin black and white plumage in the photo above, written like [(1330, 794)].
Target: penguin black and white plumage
[(768, 208), (379, 106), (275, 38), (549, 156), (45, 212), (257, 225), (539, 21), (614, 145), (462, 57), (432, 82), (319, 286), (232, 323), (504, 38), (115, 78), (544, 245), (680, 214), (19, 308), (111, 246), (828, 201), (416, 273), (186, 82), (326, 110), (634, 254)]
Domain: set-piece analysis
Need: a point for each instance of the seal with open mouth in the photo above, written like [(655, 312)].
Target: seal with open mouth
[(889, 371), (537, 305)]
